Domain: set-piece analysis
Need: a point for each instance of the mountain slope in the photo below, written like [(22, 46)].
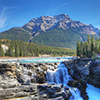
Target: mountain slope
[(59, 38), (16, 34), (56, 31)]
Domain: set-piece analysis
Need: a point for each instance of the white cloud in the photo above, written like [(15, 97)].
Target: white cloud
[(2, 19), (3, 16), (7, 8)]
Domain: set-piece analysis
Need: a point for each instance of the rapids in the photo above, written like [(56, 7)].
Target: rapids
[(61, 76)]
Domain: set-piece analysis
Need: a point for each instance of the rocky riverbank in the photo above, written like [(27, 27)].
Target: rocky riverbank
[(27, 81)]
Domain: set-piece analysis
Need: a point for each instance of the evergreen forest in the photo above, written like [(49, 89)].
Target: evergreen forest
[(88, 48), (23, 49)]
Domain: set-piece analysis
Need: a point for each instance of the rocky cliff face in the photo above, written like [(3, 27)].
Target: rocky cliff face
[(45, 23), (85, 70)]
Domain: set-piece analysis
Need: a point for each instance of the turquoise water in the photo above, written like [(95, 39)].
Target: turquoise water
[(93, 92), (46, 60)]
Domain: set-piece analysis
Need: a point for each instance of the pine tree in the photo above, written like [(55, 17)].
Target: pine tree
[(37, 52), (21, 48), (16, 50), (84, 49), (1, 50), (24, 50), (92, 45), (81, 48), (10, 51), (88, 39), (78, 48)]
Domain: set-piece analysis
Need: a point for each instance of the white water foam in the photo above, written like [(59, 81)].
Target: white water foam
[(26, 77), (75, 94), (61, 76)]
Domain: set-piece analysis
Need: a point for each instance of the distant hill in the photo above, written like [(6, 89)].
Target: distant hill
[(56, 31)]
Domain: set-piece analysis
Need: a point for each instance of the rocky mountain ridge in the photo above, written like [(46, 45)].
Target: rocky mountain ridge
[(45, 23)]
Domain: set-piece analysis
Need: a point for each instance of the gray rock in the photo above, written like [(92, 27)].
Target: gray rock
[(32, 97), (20, 91), (57, 87), (58, 98)]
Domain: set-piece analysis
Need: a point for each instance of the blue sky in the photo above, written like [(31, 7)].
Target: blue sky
[(15, 13)]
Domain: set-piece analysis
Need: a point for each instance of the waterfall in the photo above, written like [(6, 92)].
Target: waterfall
[(75, 94), (61, 76)]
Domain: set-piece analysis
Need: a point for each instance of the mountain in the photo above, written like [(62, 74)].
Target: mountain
[(57, 31), (45, 23), (16, 33)]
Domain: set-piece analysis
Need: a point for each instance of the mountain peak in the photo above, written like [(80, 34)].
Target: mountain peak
[(62, 15), (45, 23)]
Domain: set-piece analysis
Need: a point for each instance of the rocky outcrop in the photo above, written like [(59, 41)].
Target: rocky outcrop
[(94, 76), (79, 68), (20, 91), (37, 92), (8, 78), (84, 71), (21, 81), (81, 86), (54, 92), (36, 72)]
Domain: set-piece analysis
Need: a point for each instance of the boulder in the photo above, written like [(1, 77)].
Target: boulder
[(73, 83), (40, 76), (8, 82), (43, 67)]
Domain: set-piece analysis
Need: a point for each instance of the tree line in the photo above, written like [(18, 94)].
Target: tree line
[(22, 49), (89, 47)]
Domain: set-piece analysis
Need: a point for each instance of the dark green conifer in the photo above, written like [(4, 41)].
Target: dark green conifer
[(92, 45), (81, 48), (84, 49), (1, 50), (24, 50), (88, 39), (21, 49), (16, 50), (78, 48), (10, 51), (37, 52)]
